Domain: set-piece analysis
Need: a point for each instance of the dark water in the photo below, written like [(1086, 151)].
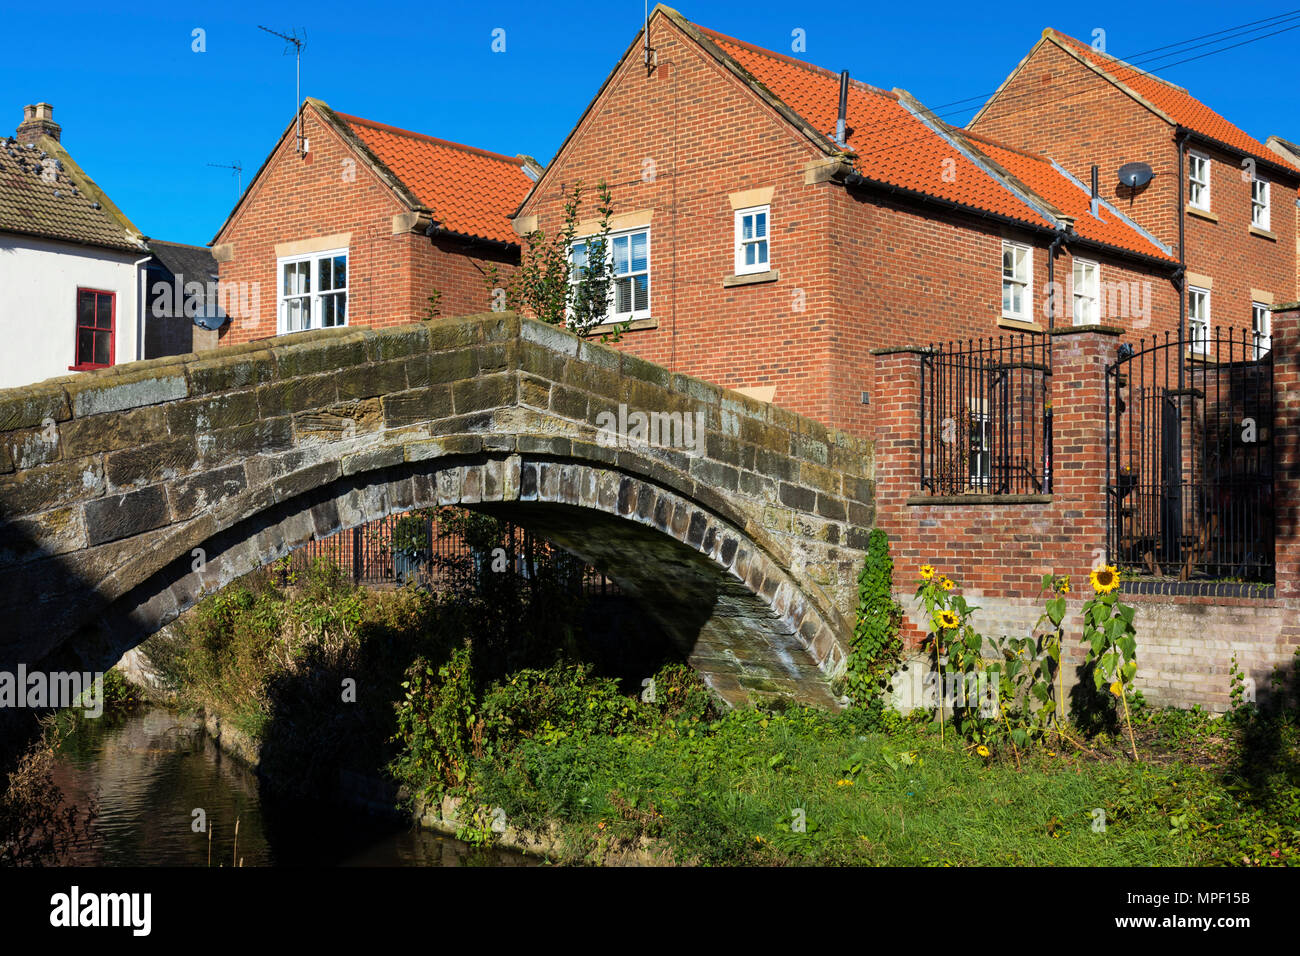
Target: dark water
[(152, 770)]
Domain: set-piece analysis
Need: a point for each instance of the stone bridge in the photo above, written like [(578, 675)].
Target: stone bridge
[(128, 493)]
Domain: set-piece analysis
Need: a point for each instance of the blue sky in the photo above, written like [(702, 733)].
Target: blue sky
[(144, 114)]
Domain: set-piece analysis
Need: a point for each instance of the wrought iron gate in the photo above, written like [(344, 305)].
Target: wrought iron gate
[(1189, 459)]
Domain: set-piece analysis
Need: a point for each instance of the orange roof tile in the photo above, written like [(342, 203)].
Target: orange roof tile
[(1174, 101), (894, 145), (471, 191)]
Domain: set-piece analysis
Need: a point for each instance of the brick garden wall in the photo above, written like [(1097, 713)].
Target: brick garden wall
[(997, 549)]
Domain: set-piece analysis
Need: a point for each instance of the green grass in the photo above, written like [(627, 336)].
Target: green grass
[(727, 793)]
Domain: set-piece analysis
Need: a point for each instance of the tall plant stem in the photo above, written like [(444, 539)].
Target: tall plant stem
[(1123, 696)]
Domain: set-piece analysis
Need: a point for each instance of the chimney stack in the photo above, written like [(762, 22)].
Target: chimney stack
[(38, 121)]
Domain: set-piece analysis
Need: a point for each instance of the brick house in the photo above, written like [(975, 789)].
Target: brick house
[(351, 222), (1218, 193), (1291, 153), (70, 261), (755, 249)]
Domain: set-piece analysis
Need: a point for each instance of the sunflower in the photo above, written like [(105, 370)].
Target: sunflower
[(1105, 579), (982, 750), (946, 584), (927, 572), (947, 619)]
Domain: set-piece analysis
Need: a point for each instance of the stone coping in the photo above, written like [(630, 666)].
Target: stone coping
[(980, 499)]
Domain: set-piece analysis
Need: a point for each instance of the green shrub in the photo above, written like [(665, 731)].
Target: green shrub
[(876, 649)]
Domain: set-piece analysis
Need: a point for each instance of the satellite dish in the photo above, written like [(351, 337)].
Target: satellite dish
[(210, 317), (1135, 175)]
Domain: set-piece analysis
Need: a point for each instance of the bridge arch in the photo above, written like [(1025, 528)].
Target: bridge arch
[(140, 490)]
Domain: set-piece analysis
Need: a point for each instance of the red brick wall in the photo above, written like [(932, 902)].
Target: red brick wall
[(390, 276), (1058, 107)]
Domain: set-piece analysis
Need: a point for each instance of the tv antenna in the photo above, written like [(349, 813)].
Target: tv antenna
[(238, 174), (298, 43), (651, 55)]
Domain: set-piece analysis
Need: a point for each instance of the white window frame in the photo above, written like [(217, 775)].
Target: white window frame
[(1261, 328), (315, 294), (611, 316), (1091, 293), (759, 265), (1195, 294), (1261, 205), (1026, 314), (1193, 159)]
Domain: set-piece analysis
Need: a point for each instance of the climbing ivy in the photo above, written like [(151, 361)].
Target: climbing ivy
[(877, 649)]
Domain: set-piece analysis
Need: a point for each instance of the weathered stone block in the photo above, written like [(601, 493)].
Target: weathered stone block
[(368, 381), (147, 464), (191, 496), (478, 394), (296, 395), (339, 351), (96, 395), (31, 406), (121, 516)]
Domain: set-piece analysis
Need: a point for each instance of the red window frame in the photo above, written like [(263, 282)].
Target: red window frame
[(81, 366)]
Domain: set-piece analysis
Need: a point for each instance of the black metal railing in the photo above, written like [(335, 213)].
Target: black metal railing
[(986, 419), (414, 548), (1189, 458)]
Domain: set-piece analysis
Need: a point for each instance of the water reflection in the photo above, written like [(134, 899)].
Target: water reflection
[(152, 770)]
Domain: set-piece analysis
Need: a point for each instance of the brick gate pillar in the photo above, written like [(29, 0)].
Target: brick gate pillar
[(1078, 390), (1286, 448)]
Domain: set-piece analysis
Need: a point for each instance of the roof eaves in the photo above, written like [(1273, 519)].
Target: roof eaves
[(992, 169), (1273, 164), (125, 247), (858, 179), (1113, 209)]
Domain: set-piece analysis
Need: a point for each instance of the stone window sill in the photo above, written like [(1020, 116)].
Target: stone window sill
[(754, 278), (1202, 214), (1262, 233), (980, 499), (1019, 325), (634, 326)]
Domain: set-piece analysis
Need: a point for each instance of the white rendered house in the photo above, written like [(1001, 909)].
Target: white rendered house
[(71, 264)]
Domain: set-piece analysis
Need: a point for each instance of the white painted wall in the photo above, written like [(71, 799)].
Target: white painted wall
[(38, 305)]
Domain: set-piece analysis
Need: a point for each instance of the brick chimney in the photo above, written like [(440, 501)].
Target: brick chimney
[(38, 121)]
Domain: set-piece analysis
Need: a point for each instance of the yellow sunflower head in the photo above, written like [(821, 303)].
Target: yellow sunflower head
[(927, 572), (946, 584), (947, 619), (1104, 579), (982, 750)]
